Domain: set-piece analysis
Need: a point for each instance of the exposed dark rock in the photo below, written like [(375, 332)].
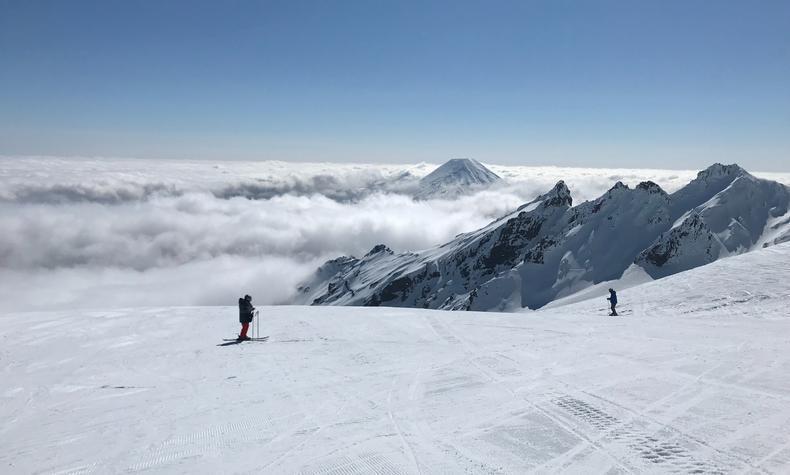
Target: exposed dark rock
[(378, 249)]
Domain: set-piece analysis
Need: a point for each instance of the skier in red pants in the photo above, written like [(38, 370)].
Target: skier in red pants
[(245, 316)]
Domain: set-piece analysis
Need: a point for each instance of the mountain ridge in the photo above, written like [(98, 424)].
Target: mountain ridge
[(548, 248)]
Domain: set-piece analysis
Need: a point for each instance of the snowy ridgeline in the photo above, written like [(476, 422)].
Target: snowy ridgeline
[(691, 379), (549, 249)]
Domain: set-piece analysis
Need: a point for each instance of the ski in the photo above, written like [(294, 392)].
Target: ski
[(263, 338)]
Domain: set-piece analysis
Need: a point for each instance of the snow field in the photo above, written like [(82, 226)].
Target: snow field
[(692, 378)]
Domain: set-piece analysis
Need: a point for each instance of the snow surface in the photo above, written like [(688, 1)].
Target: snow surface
[(691, 378)]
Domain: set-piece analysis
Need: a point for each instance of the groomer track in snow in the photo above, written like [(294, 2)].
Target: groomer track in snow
[(693, 380)]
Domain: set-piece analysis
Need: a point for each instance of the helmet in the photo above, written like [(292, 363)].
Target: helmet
[(247, 297)]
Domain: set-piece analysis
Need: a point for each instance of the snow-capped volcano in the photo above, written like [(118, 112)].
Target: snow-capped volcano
[(547, 249), (455, 177)]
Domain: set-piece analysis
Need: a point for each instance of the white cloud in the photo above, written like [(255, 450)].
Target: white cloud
[(218, 281), (181, 249), (135, 233)]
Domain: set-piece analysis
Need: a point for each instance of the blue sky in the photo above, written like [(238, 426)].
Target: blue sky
[(669, 84)]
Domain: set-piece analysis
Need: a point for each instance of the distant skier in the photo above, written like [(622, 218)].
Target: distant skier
[(612, 298), (245, 316)]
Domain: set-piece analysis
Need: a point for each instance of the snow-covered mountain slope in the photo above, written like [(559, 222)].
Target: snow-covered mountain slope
[(691, 379), (548, 249), (442, 277), (705, 186), (747, 213), (748, 285), (455, 177)]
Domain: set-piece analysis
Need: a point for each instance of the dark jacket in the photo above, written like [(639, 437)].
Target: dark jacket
[(612, 297), (245, 311)]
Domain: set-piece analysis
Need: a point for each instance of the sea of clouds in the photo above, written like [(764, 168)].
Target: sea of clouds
[(124, 233)]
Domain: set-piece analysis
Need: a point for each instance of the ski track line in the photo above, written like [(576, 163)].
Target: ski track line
[(363, 463), (213, 439), (290, 433), (716, 383), (415, 382), (773, 454), (348, 463), (81, 470), (422, 429), (635, 439), (314, 433), (582, 437), (390, 467), (662, 400), (428, 440), (444, 334), (595, 442), (637, 415), (431, 324), (403, 440), (294, 431), (60, 435), (559, 464)]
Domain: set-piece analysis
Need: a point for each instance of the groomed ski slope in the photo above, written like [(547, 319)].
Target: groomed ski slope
[(693, 377)]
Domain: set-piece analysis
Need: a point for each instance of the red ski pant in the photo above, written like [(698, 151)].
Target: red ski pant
[(244, 327)]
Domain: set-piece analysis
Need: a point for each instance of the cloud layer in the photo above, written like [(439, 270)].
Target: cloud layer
[(93, 233)]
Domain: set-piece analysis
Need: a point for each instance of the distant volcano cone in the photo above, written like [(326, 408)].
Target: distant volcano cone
[(456, 177)]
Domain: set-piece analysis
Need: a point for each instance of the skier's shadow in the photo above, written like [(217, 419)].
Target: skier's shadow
[(236, 342), (229, 343)]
